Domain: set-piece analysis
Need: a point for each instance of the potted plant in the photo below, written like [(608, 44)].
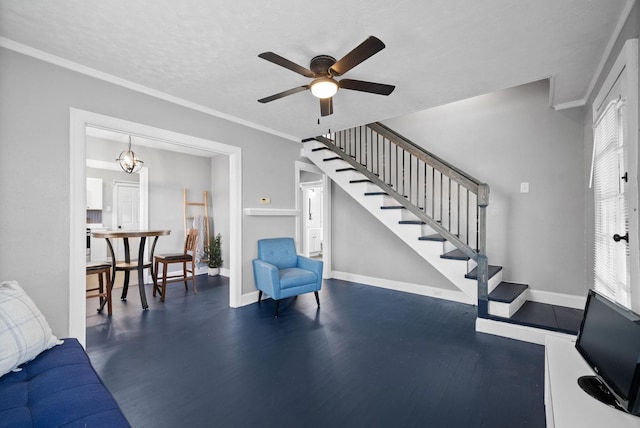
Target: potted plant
[(215, 256)]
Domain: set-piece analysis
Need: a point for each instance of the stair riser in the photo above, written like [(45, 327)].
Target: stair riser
[(506, 310), (448, 246), (494, 281), (472, 265), (453, 270)]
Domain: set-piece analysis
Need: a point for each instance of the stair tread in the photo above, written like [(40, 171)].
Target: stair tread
[(492, 271), (376, 194), (392, 207), (364, 180), (507, 292), (435, 237), (346, 169), (317, 149), (549, 317), (332, 159), (411, 222), (455, 255)]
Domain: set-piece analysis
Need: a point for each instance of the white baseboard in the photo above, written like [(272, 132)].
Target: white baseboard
[(249, 298), (559, 299), (423, 290), (517, 332), (547, 297)]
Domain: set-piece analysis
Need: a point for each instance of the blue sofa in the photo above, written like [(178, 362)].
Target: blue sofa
[(58, 388)]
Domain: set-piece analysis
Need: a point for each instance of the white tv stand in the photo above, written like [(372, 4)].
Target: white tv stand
[(566, 404)]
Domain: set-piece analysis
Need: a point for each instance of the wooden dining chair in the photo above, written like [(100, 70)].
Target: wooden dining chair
[(186, 258), (104, 286)]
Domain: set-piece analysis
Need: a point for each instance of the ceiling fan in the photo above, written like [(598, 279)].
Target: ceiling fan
[(323, 68)]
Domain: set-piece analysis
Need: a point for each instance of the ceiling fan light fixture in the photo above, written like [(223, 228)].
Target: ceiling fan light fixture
[(324, 87)]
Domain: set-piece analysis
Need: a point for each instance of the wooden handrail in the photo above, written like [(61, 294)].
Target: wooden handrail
[(362, 149)]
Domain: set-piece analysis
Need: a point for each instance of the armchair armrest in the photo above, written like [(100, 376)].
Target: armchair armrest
[(267, 278), (314, 266)]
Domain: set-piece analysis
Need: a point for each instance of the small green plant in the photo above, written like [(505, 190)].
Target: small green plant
[(215, 252)]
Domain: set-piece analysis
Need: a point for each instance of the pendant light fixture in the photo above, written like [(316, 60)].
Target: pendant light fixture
[(128, 160)]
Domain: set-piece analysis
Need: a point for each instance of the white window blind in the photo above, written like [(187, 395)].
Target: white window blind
[(611, 273)]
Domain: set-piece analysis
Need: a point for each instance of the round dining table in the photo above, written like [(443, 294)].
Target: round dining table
[(128, 265)]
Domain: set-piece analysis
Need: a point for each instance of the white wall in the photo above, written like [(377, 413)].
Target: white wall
[(35, 169)]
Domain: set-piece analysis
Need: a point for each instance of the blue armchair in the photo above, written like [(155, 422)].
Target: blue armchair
[(280, 272)]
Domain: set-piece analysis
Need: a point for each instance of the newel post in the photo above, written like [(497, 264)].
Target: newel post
[(483, 262)]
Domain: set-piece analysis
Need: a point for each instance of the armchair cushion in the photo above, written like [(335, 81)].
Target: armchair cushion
[(295, 277), (280, 252)]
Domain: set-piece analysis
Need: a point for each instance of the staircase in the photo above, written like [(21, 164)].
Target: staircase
[(436, 209)]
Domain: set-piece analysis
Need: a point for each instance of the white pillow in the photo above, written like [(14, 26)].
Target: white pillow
[(24, 332)]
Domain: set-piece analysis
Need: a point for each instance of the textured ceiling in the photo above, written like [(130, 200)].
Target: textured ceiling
[(437, 51)]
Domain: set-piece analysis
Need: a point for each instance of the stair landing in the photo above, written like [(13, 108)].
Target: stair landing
[(548, 317)]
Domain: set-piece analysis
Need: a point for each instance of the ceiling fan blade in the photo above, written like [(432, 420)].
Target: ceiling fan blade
[(283, 62), (326, 106), (362, 86), (363, 51), (284, 94)]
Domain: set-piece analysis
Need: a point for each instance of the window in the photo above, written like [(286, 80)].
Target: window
[(611, 215), (615, 182)]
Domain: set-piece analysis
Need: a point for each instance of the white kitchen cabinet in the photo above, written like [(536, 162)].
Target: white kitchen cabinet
[(94, 193)]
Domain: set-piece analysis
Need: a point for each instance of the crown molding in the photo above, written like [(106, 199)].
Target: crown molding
[(607, 52), (92, 72)]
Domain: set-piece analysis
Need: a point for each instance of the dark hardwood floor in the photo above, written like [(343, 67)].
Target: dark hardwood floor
[(368, 357)]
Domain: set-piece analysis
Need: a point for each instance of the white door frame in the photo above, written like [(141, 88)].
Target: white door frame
[(326, 213), (119, 245), (143, 176), (628, 60), (79, 120), (305, 187), (116, 184)]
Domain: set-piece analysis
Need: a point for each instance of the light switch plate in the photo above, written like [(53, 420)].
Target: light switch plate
[(524, 187)]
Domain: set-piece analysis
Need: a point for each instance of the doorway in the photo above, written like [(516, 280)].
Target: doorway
[(126, 205), (313, 223), (162, 138), (126, 210), (312, 218)]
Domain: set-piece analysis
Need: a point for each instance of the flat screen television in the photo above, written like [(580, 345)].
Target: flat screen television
[(609, 341)]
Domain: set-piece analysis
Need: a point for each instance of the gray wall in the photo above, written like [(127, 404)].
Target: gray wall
[(502, 138), (361, 245), (35, 194)]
